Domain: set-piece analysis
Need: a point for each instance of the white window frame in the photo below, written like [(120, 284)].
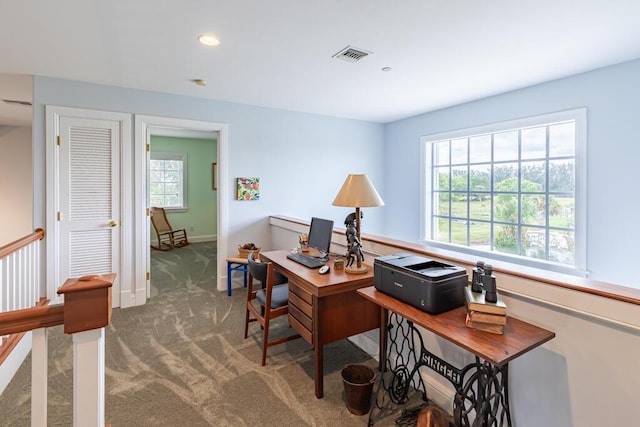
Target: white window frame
[(580, 117), (160, 155)]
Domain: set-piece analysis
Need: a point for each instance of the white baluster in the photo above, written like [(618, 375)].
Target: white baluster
[(88, 378), (39, 377)]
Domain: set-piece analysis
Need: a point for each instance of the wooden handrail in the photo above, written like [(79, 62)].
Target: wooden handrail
[(28, 319), (12, 340), (16, 245), (88, 306), (589, 286)]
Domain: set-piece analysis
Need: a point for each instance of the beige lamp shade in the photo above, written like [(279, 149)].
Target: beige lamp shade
[(358, 192)]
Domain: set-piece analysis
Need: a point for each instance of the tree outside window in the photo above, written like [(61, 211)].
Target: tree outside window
[(167, 180), (510, 189)]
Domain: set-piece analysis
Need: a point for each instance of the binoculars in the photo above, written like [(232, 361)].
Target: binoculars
[(484, 280)]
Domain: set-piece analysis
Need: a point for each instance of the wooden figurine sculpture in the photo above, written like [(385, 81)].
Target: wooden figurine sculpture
[(354, 247)]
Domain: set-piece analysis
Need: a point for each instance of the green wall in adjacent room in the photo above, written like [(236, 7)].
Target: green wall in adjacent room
[(200, 220)]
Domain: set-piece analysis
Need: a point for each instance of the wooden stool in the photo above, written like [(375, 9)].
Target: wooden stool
[(236, 264)]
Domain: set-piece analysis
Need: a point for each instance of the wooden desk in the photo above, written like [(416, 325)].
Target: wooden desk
[(324, 308), (482, 387)]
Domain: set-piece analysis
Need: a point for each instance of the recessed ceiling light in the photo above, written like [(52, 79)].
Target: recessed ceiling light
[(200, 82), (208, 40)]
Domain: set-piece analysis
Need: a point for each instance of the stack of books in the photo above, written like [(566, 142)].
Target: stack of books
[(483, 315)]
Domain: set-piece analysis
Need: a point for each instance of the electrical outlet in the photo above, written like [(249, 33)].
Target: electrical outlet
[(191, 228)]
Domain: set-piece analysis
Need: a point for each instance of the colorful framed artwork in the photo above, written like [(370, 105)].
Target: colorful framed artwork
[(248, 188)]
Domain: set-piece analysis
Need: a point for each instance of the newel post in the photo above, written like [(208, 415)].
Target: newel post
[(87, 310)]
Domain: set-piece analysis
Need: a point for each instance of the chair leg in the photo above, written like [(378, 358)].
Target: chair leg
[(265, 341), (246, 322), (229, 280)]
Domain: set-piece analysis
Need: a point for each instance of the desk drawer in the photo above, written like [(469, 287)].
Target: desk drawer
[(301, 293), (301, 323), (301, 311), (301, 305)]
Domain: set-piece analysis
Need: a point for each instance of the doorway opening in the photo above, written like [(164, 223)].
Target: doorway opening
[(181, 181), (148, 127)]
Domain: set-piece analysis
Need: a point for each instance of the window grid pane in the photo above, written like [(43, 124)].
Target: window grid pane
[(166, 186), (510, 191)]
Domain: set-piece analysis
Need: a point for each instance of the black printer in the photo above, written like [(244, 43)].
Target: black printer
[(429, 285)]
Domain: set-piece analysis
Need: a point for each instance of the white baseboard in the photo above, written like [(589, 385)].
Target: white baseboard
[(126, 299), (205, 238), (368, 342), (195, 239), (440, 393)]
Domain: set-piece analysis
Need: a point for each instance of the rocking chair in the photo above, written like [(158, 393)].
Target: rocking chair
[(168, 238)]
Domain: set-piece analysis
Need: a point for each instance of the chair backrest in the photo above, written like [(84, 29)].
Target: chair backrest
[(260, 271), (159, 220), (257, 269)]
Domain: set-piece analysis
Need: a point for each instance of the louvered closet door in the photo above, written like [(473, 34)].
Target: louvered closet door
[(89, 197)]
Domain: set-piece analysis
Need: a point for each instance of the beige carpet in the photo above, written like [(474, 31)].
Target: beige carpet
[(180, 360)]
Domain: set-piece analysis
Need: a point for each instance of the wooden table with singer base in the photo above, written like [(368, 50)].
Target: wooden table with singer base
[(482, 392), (324, 308)]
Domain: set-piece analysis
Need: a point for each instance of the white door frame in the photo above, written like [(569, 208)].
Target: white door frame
[(143, 128), (52, 115)]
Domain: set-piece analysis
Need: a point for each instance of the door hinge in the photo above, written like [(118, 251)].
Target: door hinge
[(148, 147), (148, 212), (59, 216), (59, 139), (148, 275)]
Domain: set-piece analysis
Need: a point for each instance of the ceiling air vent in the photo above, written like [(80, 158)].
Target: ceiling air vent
[(351, 54), (15, 102)]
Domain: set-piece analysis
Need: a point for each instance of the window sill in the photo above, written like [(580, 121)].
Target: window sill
[(600, 301), (377, 244), (567, 281)]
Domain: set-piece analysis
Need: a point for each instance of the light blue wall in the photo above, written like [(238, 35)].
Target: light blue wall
[(301, 159), (612, 98)]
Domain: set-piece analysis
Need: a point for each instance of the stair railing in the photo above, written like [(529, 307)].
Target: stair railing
[(20, 281), (85, 313)]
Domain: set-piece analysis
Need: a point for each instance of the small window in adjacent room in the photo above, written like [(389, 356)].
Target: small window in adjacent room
[(512, 189), (167, 180)]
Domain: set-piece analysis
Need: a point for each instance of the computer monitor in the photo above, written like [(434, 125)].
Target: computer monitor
[(320, 234)]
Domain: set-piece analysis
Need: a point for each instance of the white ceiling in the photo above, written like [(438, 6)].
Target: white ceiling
[(278, 53)]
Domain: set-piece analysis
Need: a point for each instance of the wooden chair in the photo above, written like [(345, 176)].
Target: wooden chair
[(168, 238), (271, 301)]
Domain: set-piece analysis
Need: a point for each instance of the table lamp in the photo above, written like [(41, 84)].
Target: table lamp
[(356, 192)]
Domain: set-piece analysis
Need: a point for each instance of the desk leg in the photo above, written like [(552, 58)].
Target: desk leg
[(382, 356), (487, 392), (318, 349)]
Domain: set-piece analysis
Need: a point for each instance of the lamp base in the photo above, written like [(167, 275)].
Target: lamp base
[(356, 270)]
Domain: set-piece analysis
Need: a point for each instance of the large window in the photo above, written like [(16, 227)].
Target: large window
[(511, 189), (167, 180)]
